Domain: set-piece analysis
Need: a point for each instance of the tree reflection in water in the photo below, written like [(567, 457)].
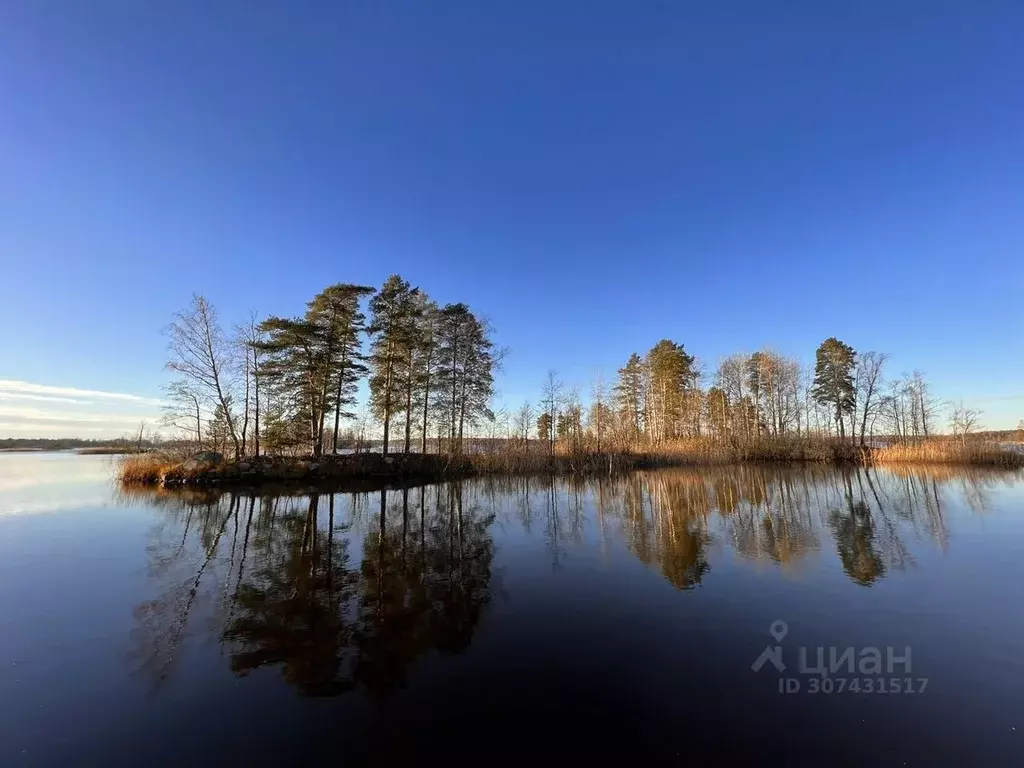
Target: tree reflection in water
[(422, 583), (342, 590)]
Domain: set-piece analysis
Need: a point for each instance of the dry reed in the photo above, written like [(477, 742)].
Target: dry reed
[(144, 468), (944, 451), (517, 459)]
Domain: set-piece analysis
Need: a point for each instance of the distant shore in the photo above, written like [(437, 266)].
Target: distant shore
[(204, 469), (97, 450)]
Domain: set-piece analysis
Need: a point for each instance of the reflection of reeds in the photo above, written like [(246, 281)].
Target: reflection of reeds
[(948, 472)]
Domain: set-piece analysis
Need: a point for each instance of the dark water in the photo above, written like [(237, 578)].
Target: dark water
[(608, 618)]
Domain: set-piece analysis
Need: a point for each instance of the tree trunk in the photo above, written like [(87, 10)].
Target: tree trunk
[(337, 413), (199, 425), (455, 381), (462, 411), (245, 410), (864, 416), (256, 409), (426, 407), (220, 392), (337, 399), (388, 375), (408, 401)]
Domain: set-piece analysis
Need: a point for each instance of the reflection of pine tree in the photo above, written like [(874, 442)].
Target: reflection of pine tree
[(460, 560), (854, 534), (423, 584), (392, 605), (291, 610)]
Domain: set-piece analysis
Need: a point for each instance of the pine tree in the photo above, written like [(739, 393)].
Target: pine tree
[(833, 379), (295, 372), (391, 324), (314, 363), (336, 313), (671, 376), (466, 364), (425, 362), (544, 427), (629, 394), (217, 431)]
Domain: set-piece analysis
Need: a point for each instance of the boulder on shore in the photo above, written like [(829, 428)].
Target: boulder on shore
[(202, 462)]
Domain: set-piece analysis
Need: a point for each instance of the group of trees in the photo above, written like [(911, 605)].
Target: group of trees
[(291, 382), (658, 398)]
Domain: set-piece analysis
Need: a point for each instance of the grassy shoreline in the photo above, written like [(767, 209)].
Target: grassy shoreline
[(171, 471)]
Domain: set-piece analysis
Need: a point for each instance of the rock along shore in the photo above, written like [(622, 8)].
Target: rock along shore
[(213, 469)]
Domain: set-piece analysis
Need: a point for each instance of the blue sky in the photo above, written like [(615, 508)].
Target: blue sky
[(592, 176)]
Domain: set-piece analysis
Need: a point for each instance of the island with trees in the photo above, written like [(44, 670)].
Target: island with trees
[(276, 399)]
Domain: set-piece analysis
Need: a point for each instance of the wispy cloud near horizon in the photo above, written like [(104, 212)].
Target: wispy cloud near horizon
[(70, 411), (16, 388)]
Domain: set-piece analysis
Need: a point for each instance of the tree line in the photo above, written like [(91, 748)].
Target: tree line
[(290, 383), (657, 398)]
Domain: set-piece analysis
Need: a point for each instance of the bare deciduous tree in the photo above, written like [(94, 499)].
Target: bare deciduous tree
[(869, 385), (523, 423), (183, 409), (551, 397), (598, 408), (246, 342), (963, 421), (200, 354)]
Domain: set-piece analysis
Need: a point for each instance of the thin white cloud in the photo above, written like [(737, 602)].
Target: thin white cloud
[(38, 410), (16, 414), (15, 387), (41, 398), (94, 430)]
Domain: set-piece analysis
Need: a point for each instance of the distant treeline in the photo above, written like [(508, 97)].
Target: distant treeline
[(50, 444), (119, 444)]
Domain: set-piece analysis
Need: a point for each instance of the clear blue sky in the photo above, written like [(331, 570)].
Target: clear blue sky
[(593, 176)]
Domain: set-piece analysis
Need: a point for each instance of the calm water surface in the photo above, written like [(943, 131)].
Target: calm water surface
[(554, 620)]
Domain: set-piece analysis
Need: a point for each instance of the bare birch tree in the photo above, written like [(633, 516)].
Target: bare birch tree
[(551, 398), (200, 355), (963, 421), (869, 387), (183, 409)]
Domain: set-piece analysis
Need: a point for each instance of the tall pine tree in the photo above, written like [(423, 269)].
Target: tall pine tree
[(629, 395), (833, 379), (392, 312), (313, 362)]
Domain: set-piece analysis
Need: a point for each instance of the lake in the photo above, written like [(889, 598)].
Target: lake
[(668, 615)]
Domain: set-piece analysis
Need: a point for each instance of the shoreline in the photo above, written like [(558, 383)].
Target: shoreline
[(210, 469)]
